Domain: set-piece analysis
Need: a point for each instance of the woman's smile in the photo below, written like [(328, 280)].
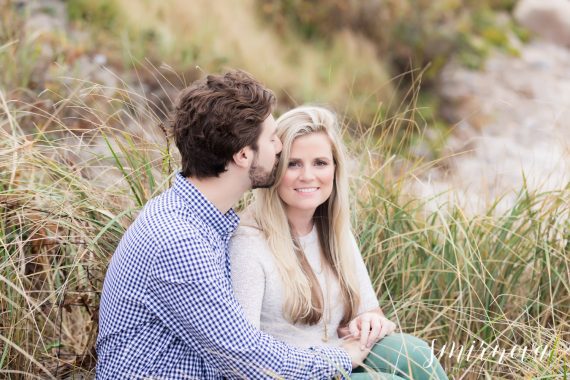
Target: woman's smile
[(307, 190)]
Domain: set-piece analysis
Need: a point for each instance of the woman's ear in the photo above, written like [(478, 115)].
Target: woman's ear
[(243, 157)]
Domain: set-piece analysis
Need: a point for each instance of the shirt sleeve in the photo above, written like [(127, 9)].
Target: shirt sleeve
[(368, 299), (248, 276), (189, 292)]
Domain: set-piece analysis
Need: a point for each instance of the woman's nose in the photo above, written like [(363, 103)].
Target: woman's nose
[(307, 173)]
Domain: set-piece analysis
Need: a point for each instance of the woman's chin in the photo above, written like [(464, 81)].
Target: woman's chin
[(305, 205)]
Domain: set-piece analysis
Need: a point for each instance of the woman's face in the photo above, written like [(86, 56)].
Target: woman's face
[(309, 176)]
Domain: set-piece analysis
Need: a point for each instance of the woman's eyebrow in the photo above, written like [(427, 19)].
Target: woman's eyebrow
[(324, 158)]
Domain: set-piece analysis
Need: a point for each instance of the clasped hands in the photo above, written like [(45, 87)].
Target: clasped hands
[(364, 330)]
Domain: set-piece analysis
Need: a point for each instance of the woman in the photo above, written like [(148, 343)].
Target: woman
[(296, 267)]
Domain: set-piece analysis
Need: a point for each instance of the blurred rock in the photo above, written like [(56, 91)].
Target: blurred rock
[(548, 19), (45, 16), (512, 128)]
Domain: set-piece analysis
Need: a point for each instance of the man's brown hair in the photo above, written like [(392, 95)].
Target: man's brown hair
[(216, 117)]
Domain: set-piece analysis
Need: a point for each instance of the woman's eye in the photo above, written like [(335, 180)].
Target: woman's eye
[(293, 164), (322, 163)]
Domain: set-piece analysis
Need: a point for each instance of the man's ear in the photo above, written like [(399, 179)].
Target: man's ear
[(243, 157)]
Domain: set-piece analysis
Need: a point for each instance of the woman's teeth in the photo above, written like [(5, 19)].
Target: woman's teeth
[(307, 189)]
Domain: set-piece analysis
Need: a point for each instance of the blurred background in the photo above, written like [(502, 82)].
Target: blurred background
[(483, 86), (456, 112)]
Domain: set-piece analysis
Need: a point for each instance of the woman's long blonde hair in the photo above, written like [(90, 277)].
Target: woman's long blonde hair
[(303, 295)]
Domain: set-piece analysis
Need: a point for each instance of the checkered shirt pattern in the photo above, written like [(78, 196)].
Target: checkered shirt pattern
[(168, 310)]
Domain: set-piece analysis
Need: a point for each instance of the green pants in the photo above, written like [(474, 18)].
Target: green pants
[(400, 356)]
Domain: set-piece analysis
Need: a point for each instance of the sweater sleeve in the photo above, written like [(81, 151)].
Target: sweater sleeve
[(368, 300), (248, 274)]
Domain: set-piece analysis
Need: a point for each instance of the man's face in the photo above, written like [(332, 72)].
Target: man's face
[(264, 166)]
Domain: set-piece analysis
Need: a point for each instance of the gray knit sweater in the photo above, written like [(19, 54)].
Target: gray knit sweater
[(259, 289)]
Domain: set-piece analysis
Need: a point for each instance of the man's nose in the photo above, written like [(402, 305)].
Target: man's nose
[(278, 145)]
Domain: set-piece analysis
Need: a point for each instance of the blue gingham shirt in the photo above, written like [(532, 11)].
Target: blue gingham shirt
[(168, 310)]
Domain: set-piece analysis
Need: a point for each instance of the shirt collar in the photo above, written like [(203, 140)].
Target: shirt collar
[(224, 224)]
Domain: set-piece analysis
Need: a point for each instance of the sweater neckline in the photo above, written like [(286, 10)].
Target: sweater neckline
[(311, 237)]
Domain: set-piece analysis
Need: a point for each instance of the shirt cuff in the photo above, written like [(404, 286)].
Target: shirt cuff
[(337, 360)]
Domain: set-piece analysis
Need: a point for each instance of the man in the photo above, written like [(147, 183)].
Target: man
[(167, 307)]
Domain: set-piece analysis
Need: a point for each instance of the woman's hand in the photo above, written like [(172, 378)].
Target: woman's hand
[(370, 327)]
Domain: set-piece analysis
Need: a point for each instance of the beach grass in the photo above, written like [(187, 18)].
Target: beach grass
[(491, 281)]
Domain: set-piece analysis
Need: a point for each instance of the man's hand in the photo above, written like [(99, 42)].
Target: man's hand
[(357, 356), (368, 327)]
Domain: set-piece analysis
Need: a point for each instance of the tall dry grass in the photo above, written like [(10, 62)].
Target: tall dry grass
[(72, 177), (68, 194), (494, 286)]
